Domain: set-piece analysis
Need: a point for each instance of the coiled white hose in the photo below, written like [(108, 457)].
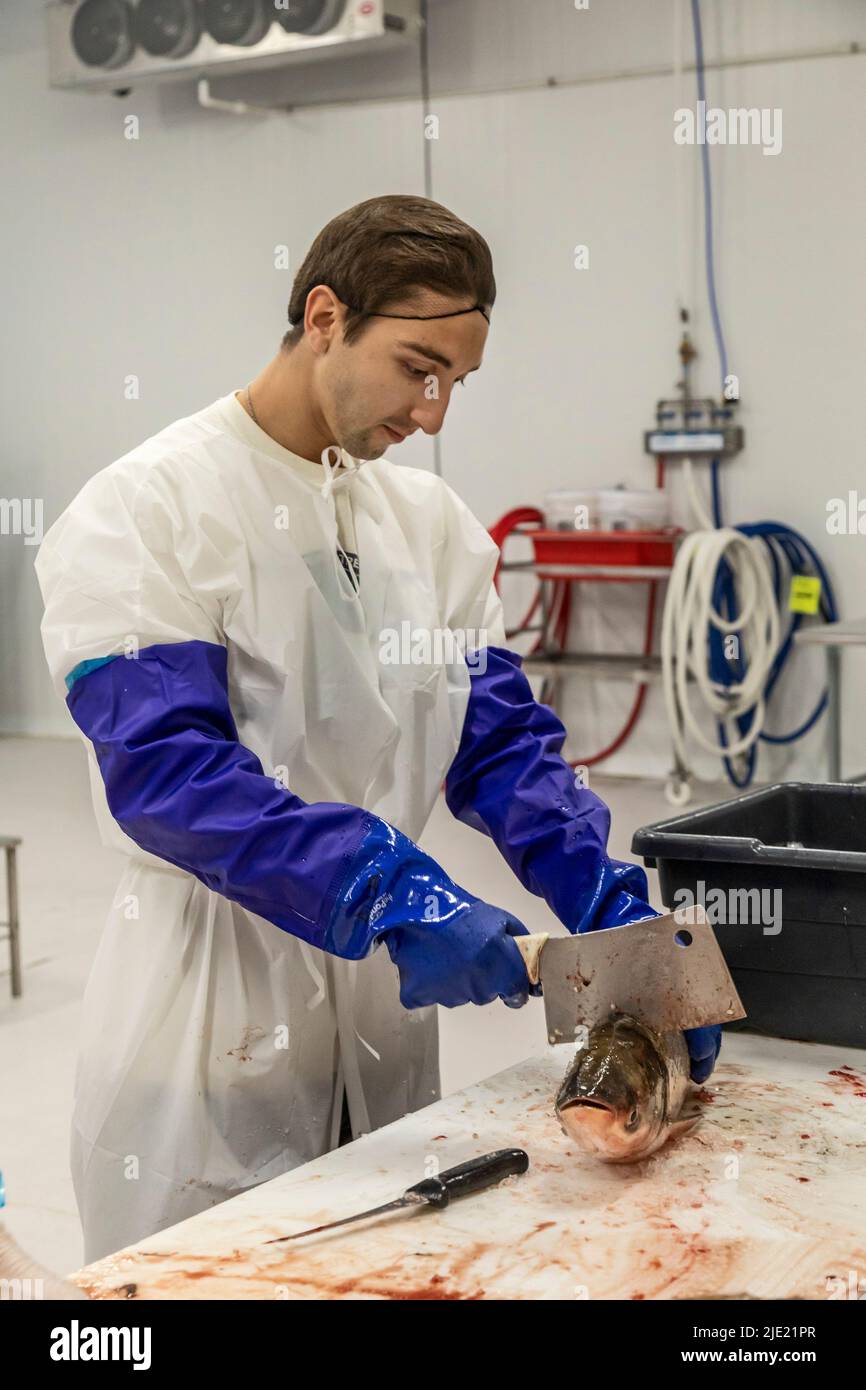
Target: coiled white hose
[(689, 618)]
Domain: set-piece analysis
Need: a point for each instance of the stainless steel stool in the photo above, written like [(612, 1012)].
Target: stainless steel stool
[(10, 844)]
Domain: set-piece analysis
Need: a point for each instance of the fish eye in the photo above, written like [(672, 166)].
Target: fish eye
[(631, 1122)]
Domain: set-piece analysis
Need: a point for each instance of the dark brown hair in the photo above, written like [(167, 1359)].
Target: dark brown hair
[(377, 252)]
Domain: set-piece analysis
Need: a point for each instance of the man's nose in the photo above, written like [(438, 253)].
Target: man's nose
[(429, 415)]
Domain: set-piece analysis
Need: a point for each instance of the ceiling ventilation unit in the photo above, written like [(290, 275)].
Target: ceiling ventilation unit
[(99, 45)]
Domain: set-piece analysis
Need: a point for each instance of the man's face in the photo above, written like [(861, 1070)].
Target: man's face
[(398, 376)]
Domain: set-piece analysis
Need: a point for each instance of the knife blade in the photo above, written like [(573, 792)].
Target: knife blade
[(473, 1176), (667, 971)]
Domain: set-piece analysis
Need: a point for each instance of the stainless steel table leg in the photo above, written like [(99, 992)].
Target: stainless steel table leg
[(14, 934), (834, 713)]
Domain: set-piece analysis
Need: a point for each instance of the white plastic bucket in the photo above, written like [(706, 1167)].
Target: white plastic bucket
[(567, 510), (633, 509)]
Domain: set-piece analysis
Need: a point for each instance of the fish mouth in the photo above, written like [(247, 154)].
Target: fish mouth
[(600, 1129), (584, 1103), (588, 1120)]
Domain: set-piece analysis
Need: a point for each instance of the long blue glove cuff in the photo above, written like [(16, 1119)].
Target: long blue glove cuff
[(389, 881), (182, 786), (510, 781)]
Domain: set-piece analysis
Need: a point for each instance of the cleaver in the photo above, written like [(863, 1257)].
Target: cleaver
[(667, 972)]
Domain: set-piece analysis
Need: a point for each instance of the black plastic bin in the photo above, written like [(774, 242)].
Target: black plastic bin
[(806, 843)]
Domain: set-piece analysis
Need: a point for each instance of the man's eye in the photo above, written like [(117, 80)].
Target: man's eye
[(416, 372)]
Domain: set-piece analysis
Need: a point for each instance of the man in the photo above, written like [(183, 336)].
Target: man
[(220, 607)]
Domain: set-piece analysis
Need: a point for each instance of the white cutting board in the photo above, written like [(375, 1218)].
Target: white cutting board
[(766, 1197)]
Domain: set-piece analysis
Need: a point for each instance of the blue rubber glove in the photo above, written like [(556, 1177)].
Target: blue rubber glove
[(449, 947), (703, 1045), (470, 958)]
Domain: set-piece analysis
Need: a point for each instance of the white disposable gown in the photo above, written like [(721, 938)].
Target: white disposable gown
[(216, 1048)]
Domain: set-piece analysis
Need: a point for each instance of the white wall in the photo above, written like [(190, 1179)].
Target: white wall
[(156, 258)]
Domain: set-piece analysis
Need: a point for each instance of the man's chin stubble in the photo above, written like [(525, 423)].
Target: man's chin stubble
[(362, 447)]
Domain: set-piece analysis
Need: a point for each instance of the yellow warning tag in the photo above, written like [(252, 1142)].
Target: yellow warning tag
[(805, 593)]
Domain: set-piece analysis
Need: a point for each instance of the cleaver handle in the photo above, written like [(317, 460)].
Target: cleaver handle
[(530, 947)]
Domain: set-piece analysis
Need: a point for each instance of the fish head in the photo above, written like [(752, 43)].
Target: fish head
[(613, 1101)]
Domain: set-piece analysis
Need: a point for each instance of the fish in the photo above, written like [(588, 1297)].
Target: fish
[(622, 1097)]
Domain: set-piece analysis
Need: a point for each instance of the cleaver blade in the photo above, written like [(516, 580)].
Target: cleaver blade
[(668, 972)]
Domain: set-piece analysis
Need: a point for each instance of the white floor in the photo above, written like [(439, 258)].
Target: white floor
[(66, 880)]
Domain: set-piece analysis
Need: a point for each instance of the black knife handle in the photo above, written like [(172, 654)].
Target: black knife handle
[(472, 1176)]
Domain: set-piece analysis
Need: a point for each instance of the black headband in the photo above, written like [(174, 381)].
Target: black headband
[(421, 317)]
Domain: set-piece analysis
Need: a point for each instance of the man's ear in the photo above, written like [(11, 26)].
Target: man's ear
[(324, 316)]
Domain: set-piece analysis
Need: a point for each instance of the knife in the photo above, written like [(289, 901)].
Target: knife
[(668, 972), (472, 1176)]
